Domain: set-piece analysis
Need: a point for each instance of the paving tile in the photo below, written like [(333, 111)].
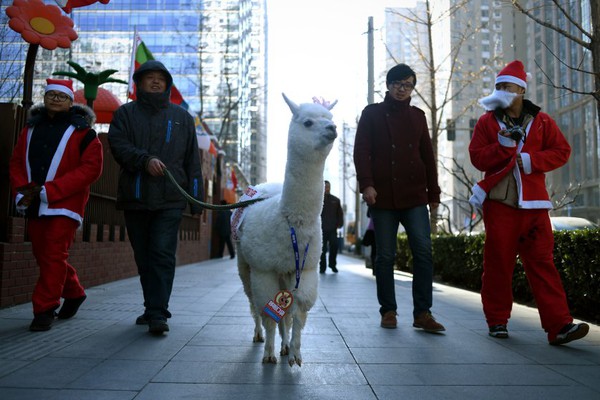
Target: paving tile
[(48, 373), (251, 373), (118, 375), (462, 374), (487, 392), (65, 394), (263, 391)]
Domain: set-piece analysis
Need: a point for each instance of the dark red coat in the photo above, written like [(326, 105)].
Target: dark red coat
[(393, 153)]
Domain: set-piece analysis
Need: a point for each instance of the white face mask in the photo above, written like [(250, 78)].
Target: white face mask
[(498, 98)]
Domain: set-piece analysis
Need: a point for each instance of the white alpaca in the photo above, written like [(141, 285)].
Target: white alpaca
[(266, 257)]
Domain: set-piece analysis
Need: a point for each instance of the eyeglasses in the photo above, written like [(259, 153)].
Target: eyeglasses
[(402, 85), (60, 97)]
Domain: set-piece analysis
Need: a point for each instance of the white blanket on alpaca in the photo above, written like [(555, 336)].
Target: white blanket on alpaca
[(265, 191)]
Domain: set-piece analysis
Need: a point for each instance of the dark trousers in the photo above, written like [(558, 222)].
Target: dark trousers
[(153, 236), (416, 223), (330, 242), (226, 240)]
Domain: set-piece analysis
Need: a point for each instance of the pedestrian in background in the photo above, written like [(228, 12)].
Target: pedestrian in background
[(146, 136), (332, 218), (397, 176), (56, 159), (223, 226), (515, 144)]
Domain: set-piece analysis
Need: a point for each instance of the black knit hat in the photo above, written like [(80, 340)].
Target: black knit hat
[(399, 73)]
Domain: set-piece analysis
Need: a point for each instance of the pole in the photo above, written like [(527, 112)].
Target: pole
[(28, 77)]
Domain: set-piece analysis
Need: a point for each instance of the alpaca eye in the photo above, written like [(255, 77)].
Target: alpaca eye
[(308, 123)]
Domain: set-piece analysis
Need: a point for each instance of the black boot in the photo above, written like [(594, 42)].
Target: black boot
[(70, 307), (42, 321)]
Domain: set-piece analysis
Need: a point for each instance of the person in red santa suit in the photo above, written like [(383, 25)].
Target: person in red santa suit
[(56, 159), (515, 144)]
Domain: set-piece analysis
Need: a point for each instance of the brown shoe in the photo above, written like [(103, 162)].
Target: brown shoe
[(426, 322), (388, 320)]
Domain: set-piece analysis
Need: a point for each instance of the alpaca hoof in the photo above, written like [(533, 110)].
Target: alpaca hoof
[(285, 350), (270, 360), (258, 338), (295, 360)]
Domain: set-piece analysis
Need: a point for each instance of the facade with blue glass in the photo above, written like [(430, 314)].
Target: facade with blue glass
[(215, 50)]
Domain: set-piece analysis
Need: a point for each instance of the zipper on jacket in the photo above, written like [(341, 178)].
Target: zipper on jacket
[(169, 131), (138, 185)]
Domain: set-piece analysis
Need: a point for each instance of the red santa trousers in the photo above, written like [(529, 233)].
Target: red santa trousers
[(510, 231), (51, 239)]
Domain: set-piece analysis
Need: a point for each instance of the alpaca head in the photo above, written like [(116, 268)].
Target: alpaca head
[(312, 130)]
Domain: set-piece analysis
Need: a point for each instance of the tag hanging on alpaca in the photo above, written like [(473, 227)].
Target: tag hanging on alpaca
[(277, 307)]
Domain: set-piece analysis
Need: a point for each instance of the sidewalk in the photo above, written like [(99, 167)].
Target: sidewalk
[(209, 354)]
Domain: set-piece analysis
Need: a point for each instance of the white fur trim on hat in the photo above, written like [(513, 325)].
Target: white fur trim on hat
[(511, 79), (60, 88)]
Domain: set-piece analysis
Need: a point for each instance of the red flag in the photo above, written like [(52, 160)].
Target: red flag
[(67, 5), (141, 54), (233, 179), (213, 149)]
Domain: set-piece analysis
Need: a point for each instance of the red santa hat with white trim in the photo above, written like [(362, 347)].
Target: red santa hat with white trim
[(514, 72), (60, 85)]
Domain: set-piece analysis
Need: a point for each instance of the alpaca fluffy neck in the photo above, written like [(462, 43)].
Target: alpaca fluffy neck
[(302, 194)]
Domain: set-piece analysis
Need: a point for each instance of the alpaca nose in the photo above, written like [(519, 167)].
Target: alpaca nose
[(331, 132)]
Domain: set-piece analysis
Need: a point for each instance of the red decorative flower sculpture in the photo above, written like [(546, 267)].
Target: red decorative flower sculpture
[(41, 24)]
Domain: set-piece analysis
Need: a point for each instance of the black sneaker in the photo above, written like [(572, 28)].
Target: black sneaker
[(70, 307), (158, 326), (42, 321), (334, 269), (142, 319), (571, 332), (498, 331)]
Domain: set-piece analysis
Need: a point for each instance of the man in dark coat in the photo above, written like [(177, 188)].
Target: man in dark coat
[(223, 227), (146, 136), (332, 218), (397, 176)]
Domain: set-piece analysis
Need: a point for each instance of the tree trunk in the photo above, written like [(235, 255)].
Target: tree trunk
[(28, 77), (433, 109), (595, 48)]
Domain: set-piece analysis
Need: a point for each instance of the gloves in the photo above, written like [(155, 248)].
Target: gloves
[(28, 192)]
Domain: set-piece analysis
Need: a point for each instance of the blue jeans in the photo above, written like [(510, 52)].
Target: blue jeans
[(153, 236), (416, 224)]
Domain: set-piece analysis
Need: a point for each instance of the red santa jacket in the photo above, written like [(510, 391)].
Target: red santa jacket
[(72, 170), (544, 149)]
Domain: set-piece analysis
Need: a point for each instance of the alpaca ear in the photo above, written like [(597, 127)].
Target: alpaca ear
[(329, 107), (293, 106)]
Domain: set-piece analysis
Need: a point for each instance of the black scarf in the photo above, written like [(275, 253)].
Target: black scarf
[(153, 102)]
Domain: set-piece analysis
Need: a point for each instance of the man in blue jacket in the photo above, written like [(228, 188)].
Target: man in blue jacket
[(146, 136)]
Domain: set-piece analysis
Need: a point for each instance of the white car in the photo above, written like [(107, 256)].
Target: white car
[(571, 223)]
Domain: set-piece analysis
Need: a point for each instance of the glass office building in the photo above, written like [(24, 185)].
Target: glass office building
[(215, 50)]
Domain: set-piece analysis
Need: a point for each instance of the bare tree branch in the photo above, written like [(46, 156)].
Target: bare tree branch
[(555, 28), (583, 43)]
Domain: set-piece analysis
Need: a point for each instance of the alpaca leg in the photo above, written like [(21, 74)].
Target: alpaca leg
[(305, 297), (245, 276), (264, 287), (258, 332), (284, 332), (295, 357), (269, 353)]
